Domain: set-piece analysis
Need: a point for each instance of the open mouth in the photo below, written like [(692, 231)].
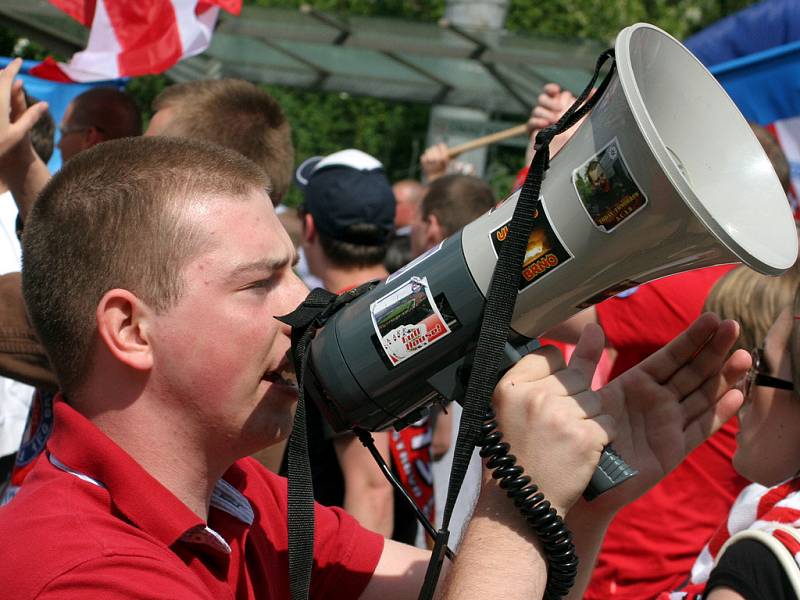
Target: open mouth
[(283, 375)]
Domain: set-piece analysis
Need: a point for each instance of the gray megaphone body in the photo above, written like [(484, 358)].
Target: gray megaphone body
[(664, 176)]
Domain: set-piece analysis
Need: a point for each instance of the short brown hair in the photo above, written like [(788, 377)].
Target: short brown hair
[(456, 200), (347, 254), (43, 131), (774, 153), (110, 110), (238, 115), (112, 218)]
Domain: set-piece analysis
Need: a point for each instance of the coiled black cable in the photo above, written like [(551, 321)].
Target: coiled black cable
[(562, 562)]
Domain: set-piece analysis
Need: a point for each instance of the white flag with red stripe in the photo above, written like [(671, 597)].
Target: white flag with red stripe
[(132, 38)]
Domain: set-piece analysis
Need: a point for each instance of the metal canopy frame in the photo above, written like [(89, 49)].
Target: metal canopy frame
[(440, 63)]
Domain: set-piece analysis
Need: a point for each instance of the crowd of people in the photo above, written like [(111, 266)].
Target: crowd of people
[(149, 393)]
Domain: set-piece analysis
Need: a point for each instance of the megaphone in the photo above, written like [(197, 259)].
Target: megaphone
[(665, 175)]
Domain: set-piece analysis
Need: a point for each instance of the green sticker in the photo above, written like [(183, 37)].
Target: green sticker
[(606, 188)]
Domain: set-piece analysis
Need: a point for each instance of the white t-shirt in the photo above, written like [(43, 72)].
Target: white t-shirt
[(15, 397)]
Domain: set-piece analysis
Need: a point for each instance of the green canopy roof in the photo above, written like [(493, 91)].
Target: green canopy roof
[(499, 72)]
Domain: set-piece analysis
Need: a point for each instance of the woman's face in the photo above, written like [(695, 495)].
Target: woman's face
[(768, 445)]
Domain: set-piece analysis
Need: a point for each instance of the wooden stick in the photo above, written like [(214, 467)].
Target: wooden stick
[(487, 139)]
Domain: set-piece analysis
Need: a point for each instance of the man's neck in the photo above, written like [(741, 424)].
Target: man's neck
[(183, 470), (336, 279), (163, 441)]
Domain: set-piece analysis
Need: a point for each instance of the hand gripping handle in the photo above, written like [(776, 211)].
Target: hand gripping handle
[(610, 472)]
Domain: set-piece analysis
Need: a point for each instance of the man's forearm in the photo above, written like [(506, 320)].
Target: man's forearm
[(499, 556), (367, 494), (25, 180), (588, 529), (373, 507)]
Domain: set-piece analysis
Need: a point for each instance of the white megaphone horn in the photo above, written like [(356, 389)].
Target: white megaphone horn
[(664, 175)]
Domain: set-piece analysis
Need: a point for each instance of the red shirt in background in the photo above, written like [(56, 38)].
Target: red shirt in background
[(652, 543), (90, 522)]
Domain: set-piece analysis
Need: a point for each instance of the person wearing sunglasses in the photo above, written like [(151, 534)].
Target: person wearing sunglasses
[(754, 552)]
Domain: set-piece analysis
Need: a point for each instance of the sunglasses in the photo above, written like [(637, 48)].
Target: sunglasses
[(756, 376)]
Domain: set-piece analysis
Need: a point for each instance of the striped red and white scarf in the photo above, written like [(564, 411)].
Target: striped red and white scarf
[(757, 508)]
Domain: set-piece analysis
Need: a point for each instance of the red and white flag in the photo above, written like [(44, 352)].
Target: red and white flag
[(131, 38)]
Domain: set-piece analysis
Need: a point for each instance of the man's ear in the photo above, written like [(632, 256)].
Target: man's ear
[(123, 323), (309, 229), (433, 232), (92, 136)]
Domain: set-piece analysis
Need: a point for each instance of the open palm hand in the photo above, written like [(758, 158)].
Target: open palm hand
[(673, 401)]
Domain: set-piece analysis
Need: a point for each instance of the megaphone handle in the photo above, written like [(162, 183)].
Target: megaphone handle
[(610, 472), (612, 468)]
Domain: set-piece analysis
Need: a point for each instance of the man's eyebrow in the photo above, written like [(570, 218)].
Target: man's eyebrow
[(266, 265)]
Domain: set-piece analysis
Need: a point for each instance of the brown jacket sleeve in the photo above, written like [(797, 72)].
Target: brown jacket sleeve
[(22, 357)]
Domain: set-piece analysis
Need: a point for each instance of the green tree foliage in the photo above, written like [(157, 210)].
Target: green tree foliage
[(325, 122), (601, 20), (12, 45), (418, 10), (144, 90)]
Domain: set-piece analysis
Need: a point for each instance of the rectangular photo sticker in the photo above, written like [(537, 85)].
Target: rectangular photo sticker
[(606, 188), (407, 320), (545, 253)]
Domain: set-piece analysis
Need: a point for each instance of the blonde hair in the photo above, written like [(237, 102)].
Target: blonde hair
[(753, 300), (238, 115), (794, 348)]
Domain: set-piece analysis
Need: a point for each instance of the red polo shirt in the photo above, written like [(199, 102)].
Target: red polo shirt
[(91, 523)]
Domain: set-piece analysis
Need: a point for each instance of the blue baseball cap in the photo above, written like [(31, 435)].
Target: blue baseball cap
[(345, 189)]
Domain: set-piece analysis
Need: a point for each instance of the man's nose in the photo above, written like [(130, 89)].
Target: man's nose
[(299, 290)]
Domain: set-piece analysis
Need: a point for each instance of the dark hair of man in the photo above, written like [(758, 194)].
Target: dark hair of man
[(238, 115), (43, 132), (456, 200), (113, 218), (347, 254), (109, 110), (774, 153)]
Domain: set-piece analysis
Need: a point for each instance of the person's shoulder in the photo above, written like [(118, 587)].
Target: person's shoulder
[(57, 523), (681, 292), (699, 281)]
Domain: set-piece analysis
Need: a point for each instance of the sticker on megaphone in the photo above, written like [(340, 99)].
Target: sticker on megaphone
[(608, 192), (407, 320)]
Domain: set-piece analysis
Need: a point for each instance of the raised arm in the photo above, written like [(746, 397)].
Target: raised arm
[(551, 104), (557, 430), (21, 169), (553, 424)]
